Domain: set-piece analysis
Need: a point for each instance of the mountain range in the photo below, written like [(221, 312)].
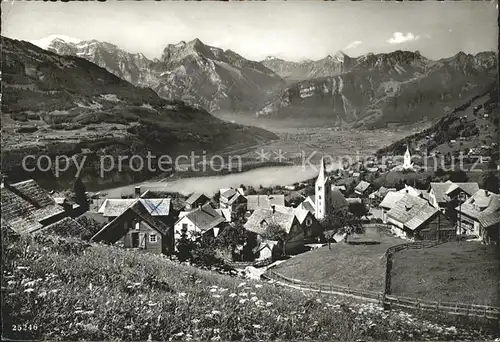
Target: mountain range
[(193, 72), (377, 90), (59, 105), (369, 91)]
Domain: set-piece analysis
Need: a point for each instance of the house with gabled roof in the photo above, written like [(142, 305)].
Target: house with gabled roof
[(362, 188), (313, 230), (442, 193), (389, 201), (114, 207), (261, 219), (27, 208), (204, 221), (196, 200), (479, 216), (138, 227), (308, 204), (231, 199), (414, 218)]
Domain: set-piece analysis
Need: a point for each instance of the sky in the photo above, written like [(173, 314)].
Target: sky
[(293, 30)]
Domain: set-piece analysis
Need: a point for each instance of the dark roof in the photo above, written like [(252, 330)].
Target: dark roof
[(469, 188), (338, 200), (31, 190), (25, 214), (205, 217), (439, 190), (115, 230), (196, 197)]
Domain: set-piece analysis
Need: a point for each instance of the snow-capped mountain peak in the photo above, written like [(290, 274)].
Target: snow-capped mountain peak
[(46, 41)]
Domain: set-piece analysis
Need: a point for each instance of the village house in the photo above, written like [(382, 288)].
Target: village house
[(380, 193), (158, 207), (196, 200), (231, 199), (255, 202), (479, 216), (137, 227), (362, 188), (313, 230), (441, 193), (71, 208), (27, 208), (261, 219), (308, 204), (204, 221), (389, 201), (414, 218)]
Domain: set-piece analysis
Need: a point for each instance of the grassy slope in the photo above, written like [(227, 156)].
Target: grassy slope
[(466, 273), (358, 266), (69, 292)]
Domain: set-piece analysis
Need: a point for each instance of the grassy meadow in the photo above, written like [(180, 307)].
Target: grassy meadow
[(71, 290)]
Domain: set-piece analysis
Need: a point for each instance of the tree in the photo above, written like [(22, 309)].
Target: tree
[(80, 193), (491, 182), (358, 209), (342, 222), (184, 246), (275, 232), (232, 236), (458, 176), (216, 199)]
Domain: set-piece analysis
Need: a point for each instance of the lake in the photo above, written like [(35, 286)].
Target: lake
[(266, 176)]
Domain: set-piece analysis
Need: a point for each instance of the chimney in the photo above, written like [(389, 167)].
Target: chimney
[(137, 192)]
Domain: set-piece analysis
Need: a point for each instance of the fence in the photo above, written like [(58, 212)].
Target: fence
[(414, 245), (389, 301), (243, 264)]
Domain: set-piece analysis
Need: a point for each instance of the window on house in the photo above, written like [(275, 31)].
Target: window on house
[(308, 221), (184, 227), (137, 225), (152, 238)]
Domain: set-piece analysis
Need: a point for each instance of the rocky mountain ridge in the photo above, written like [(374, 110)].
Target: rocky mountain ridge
[(201, 75), (383, 89)]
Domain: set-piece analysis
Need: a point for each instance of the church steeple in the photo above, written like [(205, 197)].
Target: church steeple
[(322, 192), (407, 158)]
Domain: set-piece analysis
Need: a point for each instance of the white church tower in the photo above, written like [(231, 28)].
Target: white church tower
[(322, 191), (407, 159)]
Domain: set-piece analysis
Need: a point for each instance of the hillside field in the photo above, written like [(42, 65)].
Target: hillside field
[(63, 290)]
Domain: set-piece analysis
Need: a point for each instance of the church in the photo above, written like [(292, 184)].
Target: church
[(322, 193), (407, 164)]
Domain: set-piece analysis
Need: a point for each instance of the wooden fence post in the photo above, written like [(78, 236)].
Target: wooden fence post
[(388, 268)]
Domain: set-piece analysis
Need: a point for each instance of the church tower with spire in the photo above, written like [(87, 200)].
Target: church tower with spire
[(407, 159), (322, 194)]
